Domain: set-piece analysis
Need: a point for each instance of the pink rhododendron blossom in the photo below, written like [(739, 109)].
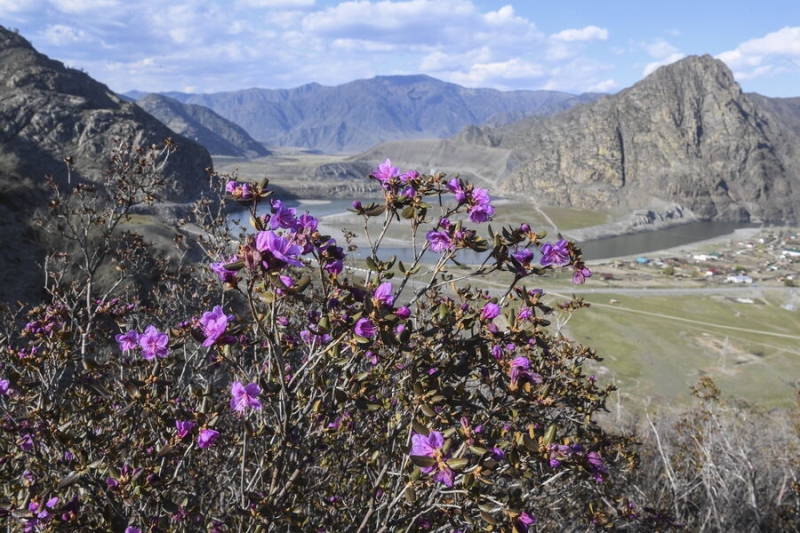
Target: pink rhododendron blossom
[(490, 312), (281, 248), (244, 396), (555, 254), (365, 328), (385, 172), (128, 341), (580, 275), (184, 427), (214, 323), (431, 446), (207, 438), (384, 294), (225, 275), (519, 371), (153, 343), (439, 241)]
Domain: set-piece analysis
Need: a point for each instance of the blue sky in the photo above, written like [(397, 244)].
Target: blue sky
[(572, 46)]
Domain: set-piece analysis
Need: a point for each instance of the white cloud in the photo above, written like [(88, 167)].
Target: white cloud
[(277, 4), (651, 67), (61, 35), (775, 53), (83, 6), (383, 16), (495, 74), (661, 49), (589, 33), (605, 86)]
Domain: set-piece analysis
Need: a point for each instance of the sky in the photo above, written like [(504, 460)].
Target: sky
[(574, 46)]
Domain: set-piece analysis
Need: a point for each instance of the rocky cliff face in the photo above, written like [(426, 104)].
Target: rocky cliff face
[(47, 113), (686, 135), (218, 135)]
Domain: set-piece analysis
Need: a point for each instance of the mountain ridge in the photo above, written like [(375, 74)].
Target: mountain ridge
[(202, 125), (360, 114), (686, 134)]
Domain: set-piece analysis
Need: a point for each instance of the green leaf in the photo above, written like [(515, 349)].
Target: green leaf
[(549, 435), (457, 463), (422, 461)]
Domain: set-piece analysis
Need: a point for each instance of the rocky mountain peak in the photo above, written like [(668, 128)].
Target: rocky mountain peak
[(686, 134)]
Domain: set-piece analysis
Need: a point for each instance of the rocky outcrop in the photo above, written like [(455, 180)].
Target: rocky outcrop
[(200, 124), (48, 113), (686, 135)]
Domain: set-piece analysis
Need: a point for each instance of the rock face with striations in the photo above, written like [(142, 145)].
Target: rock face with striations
[(49, 112), (218, 135), (686, 135)]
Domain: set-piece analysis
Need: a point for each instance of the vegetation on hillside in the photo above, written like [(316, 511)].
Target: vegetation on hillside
[(269, 388)]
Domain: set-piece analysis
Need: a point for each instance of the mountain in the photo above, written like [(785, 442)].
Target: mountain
[(49, 112), (685, 135), (360, 114), (218, 135)]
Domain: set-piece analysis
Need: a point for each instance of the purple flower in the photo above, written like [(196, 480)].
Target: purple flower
[(490, 312), (307, 223), (207, 438), (523, 256), (225, 275), (131, 529), (112, 483), (403, 313), (385, 172), (153, 343), (454, 186), (525, 313), (26, 442), (383, 293), (184, 427), (555, 254), (281, 249), (405, 177), (128, 341), (480, 213), (282, 217), (214, 323), (596, 466), (244, 396), (439, 241), (431, 446), (365, 328), (519, 371), (580, 275), (523, 521), (4, 387)]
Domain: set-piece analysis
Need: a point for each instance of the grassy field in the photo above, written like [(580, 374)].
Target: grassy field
[(656, 347)]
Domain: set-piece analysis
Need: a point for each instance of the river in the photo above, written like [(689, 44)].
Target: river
[(621, 246)]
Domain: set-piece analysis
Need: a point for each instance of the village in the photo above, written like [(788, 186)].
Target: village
[(765, 257)]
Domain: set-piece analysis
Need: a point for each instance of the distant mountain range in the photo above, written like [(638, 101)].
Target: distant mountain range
[(685, 137), (355, 116), (218, 135)]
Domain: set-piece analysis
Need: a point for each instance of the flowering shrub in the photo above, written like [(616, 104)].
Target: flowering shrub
[(277, 390)]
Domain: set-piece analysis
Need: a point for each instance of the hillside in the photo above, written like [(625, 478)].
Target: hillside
[(50, 112), (685, 135), (358, 115), (200, 124)]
